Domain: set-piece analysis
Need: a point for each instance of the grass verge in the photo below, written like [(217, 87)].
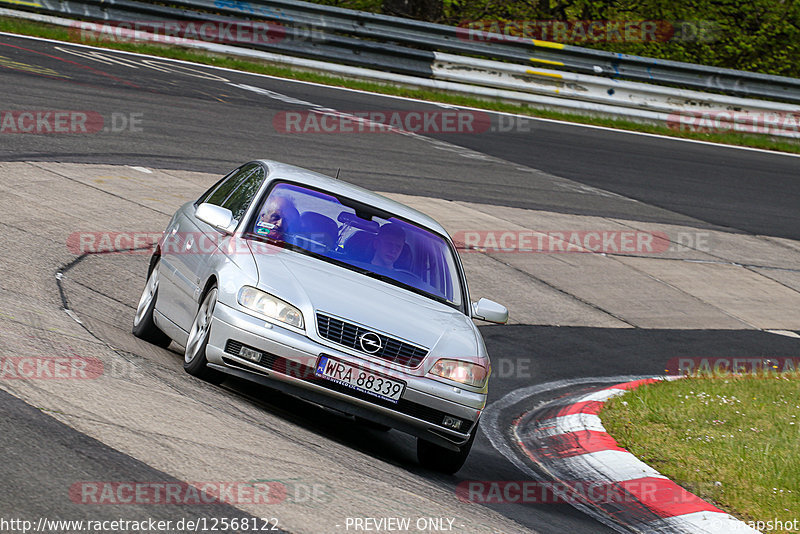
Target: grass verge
[(37, 29), (731, 440)]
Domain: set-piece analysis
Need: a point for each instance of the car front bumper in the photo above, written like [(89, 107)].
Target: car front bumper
[(288, 362)]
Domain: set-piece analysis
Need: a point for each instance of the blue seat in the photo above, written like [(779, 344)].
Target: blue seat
[(320, 229), (360, 246)]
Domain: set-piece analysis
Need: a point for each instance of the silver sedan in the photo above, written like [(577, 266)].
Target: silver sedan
[(330, 293)]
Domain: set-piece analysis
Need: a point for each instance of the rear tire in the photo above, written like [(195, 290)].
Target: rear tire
[(143, 325), (437, 458), (194, 359)]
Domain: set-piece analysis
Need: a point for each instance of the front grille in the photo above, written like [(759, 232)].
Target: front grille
[(348, 334), (306, 373)]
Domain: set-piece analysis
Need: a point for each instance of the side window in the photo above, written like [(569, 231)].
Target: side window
[(220, 191), (239, 200), (210, 190)]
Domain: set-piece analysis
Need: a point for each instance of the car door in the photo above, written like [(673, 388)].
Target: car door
[(197, 262), (190, 244)]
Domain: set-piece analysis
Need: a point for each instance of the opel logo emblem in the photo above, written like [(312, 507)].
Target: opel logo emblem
[(370, 342)]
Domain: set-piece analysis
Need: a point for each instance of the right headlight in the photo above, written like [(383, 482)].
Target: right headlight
[(270, 306), (463, 372)]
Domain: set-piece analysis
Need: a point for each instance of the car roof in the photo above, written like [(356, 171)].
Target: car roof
[(278, 170)]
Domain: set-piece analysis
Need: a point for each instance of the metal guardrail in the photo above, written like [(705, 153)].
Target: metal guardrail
[(406, 46), (594, 88), (438, 37), (329, 47)]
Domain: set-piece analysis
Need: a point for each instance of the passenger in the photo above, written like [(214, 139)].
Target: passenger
[(278, 219), (388, 245)]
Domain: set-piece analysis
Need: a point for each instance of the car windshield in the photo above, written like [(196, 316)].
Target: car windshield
[(357, 238)]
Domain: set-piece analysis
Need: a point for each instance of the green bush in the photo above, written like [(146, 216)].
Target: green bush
[(759, 35)]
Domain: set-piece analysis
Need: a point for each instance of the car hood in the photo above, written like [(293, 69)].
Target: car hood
[(312, 285)]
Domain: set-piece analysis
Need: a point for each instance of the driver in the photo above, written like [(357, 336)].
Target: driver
[(388, 245), (278, 218)]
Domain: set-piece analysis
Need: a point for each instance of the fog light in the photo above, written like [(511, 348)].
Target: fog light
[(451, 422), (250, 354)]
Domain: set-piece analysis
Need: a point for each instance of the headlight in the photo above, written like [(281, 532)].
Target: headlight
[(273, 307), (464, 372)]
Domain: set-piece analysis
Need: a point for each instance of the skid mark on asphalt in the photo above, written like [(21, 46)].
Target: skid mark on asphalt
[(75, 63), (33, 69)]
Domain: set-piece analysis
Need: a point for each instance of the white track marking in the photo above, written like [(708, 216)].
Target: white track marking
[(565, 424), (73, 316), (787, 333), (617, 466), (142, 169), (602, 395)]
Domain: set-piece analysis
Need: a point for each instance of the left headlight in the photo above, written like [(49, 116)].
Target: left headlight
[(266, 304), (468, 373)]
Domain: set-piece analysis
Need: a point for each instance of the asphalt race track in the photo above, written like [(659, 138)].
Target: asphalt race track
[(170, 129), (712, 184)]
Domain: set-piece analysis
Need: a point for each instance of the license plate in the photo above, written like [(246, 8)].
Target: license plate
[(250, 354), (359, 379)]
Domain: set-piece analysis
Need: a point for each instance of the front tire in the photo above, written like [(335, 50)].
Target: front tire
[(143, 325), (437, 458), (194, 359)]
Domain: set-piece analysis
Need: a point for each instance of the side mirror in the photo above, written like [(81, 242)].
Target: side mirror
[(489, 310), (217, 216)]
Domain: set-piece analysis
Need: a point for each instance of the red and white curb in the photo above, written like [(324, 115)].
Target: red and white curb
[(569, 442)]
